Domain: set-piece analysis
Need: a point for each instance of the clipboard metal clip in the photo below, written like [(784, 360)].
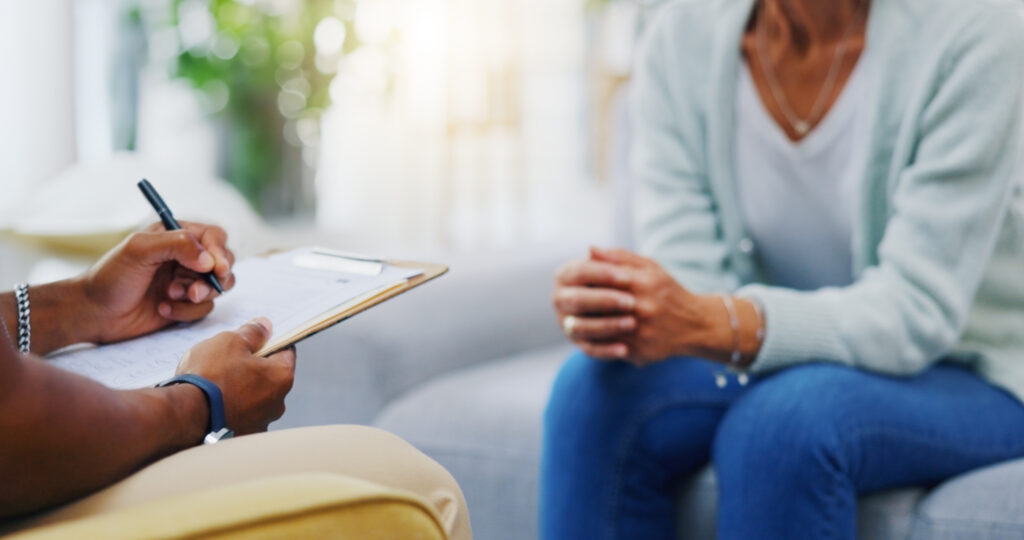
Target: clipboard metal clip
[(339, 261)]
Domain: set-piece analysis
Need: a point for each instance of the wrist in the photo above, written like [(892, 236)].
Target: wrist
[(713, 338), (92, 317), (217, 428), (718, 339), (60, 315), (752, 329), (84, 316), (187, 406), (170, 419)]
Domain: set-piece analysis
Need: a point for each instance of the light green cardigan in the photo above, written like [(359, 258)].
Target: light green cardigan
[(938, 233)]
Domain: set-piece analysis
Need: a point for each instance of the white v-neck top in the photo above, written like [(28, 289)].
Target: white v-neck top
[(797, 198)]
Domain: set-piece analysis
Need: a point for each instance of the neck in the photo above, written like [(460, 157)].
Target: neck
[(805, 23)]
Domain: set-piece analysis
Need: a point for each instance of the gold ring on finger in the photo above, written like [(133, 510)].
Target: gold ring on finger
[(569, 324)]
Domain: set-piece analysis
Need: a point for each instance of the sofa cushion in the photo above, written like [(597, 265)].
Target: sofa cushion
[(484, 425), (987, 504), (351, 371)]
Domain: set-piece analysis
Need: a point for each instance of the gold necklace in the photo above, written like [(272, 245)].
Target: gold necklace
[(803, 125)]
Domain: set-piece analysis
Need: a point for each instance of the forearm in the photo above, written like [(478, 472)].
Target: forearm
[(60, 316), (67, 436)]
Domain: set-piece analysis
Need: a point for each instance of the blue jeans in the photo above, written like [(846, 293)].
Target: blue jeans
[(792, 451)]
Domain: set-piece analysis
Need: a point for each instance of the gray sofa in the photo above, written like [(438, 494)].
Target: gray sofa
[(462, 367)]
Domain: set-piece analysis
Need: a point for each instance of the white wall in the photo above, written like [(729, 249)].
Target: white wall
[(37, 131), (93, 54), (480, 141)]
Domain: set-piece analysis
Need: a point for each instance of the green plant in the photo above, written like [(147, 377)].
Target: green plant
[(257, 66)]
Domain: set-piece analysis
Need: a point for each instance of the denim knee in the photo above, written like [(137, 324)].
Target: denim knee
[(789, 427), (580, 392), (782, 460), (617, 439), (587, 389)]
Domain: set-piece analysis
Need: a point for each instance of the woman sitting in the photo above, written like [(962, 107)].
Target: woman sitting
[(833, 302)]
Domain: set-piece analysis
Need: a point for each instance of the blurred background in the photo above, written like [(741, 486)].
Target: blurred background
[(411, 128)]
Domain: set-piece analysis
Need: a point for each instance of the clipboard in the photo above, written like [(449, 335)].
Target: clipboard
[(429, 271), (299, 299)]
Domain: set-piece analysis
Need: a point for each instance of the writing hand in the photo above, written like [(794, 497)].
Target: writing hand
[(154, 278)]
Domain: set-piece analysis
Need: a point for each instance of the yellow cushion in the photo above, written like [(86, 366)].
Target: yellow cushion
[(293, 506)]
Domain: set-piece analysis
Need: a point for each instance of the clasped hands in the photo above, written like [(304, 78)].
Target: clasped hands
[(616, 305)]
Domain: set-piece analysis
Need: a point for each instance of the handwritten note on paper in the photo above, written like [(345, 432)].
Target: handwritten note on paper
[(289, 295)]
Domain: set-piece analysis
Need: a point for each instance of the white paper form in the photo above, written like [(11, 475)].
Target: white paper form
[(273, 287)]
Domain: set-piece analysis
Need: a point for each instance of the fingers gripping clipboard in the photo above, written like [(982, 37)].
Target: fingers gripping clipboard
[(302, 291)]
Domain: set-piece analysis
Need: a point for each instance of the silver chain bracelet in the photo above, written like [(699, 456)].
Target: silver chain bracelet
[(24, 318)]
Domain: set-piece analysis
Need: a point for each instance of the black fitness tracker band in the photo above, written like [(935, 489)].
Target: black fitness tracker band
[(217, 428)]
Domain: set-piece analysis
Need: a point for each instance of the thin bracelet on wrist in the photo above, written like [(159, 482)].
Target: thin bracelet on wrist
[(24, 318), (759, 311), (734, 322), (721, 376), (759, 336)]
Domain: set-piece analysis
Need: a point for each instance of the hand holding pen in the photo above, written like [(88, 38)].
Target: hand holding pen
[(152, 279), (170, 223)]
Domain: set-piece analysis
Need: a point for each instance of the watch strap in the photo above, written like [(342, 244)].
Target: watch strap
[(213, 397)]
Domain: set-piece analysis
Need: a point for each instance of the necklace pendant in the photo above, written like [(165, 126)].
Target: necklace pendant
[(801, 127)]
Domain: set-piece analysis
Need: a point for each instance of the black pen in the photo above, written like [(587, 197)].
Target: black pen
[(170, 223)]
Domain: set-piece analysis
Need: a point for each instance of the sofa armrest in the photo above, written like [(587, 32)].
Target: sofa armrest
[(294, 506), (485, 308)]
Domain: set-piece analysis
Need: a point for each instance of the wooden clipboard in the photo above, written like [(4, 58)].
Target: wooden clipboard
[(357, 305)]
